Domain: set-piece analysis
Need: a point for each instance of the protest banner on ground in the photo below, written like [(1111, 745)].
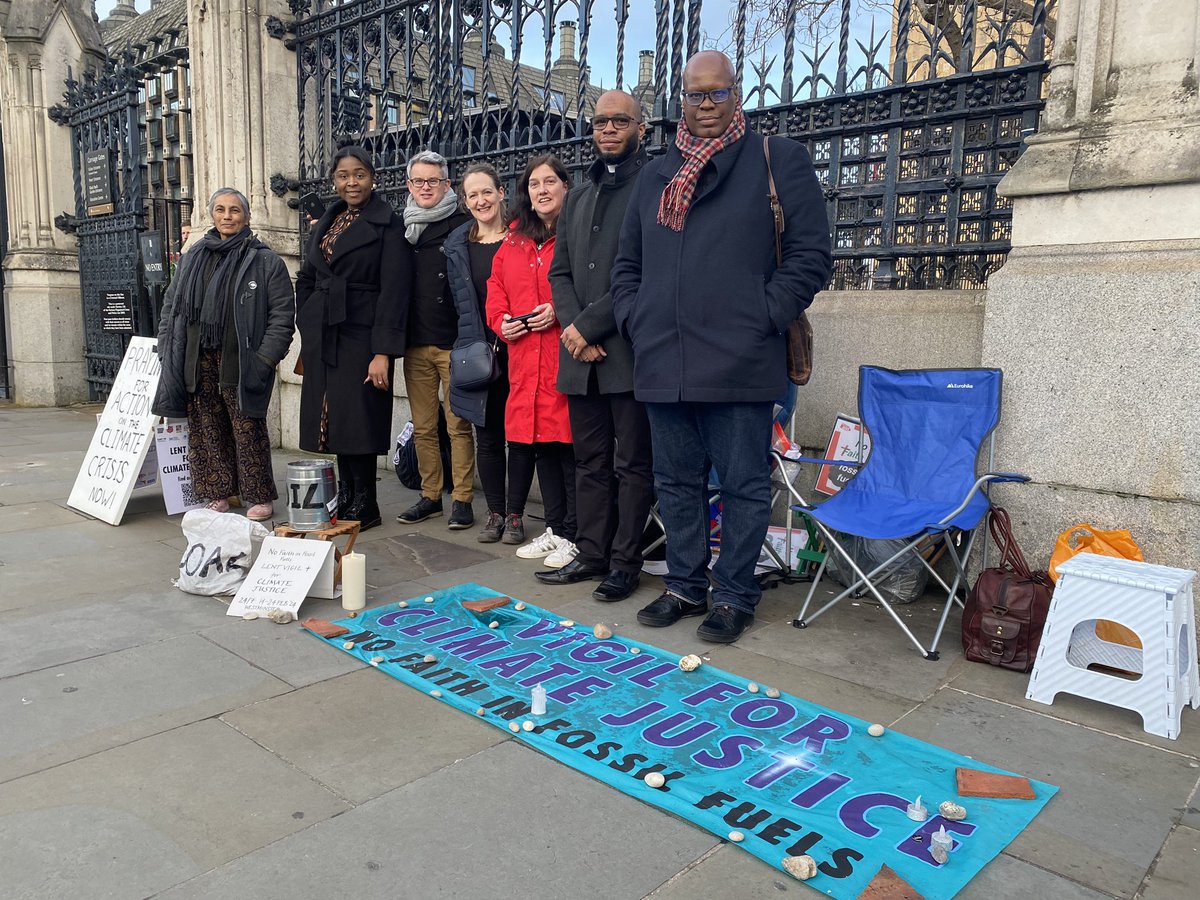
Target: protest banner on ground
[(122, 439), (286, 571), (789, 777)]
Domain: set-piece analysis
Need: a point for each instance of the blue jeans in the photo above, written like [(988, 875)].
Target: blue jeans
[(732, 438)]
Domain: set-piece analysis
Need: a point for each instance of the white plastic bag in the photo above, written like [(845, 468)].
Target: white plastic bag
[(218, 553)]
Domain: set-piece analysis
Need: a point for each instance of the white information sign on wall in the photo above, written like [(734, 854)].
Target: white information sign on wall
[(122, 439), (174, 473), (286, 571)]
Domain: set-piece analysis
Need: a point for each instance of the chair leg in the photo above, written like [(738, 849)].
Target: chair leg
[(959, 577)]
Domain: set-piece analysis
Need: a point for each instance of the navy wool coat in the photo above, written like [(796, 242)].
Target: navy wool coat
[(706, 307)]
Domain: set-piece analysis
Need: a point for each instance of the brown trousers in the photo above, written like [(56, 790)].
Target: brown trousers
[(426, 370)]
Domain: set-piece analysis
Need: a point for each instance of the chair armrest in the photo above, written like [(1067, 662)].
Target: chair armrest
[(823, 462), (1000, 477)]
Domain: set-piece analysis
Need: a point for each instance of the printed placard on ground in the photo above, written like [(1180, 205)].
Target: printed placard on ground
[(123, 437), (284, 573), (843, 444), (791, 777), (175, 474)]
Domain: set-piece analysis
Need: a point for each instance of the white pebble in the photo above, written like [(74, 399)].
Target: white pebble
[(518, 606), (635, 650), (376, 660), (690, 663), (602, 632), (773, 693), (435, 693), (736, 836), (952, 812), (429, 657), (567, 623), (802, 867), (250, 616), (655, 780), (513, 726), (527, 725), (752, 688), (876, 730), (480, 711), (428, 599), (348, 645), (402, 603), (493, 624)]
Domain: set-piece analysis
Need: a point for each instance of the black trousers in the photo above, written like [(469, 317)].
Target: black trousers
[(614, 479), (555, 465)]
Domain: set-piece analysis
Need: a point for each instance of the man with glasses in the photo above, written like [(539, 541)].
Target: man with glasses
[(595, 370), (697, 291), (430, 215)]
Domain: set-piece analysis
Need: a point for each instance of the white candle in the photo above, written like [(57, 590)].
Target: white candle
[(354, 582)]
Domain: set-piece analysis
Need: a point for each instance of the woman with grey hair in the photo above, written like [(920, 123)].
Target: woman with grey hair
[(226, 322)]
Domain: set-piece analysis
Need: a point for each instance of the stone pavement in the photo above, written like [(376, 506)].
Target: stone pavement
[(151, 747)]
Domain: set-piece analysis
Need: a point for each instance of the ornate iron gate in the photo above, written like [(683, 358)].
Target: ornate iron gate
[(101, 111), (910, 130)]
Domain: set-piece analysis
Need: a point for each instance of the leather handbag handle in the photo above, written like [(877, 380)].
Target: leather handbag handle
[(1011, 556), (776, 206)]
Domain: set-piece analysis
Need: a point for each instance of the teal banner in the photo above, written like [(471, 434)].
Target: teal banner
[(780, 776)]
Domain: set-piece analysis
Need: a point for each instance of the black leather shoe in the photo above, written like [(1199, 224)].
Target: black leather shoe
[(617, 586), (461, 516), (669, 609), (724, 625), (423, 509), (364, 509), (571, 573), (345, 499)]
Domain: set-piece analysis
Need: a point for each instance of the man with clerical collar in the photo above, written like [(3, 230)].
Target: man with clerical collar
[(595, 371), (697, 290), (430, 215)]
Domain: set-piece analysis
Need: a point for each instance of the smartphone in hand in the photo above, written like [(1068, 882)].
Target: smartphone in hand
[(524, 320), (311, 205)]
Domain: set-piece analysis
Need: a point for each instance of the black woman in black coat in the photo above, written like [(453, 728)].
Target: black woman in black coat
[(352, 295)]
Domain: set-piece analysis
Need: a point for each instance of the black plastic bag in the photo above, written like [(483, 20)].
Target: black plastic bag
[(404, 458)]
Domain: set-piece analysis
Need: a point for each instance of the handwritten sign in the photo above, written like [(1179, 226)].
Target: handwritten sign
[(283, 575), (175, 474), (122, 439), (843, 444)]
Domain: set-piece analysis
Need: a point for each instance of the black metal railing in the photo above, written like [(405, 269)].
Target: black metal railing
[(911, 125)]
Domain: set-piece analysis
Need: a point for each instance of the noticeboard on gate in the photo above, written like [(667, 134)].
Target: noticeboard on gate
[(97, 182)]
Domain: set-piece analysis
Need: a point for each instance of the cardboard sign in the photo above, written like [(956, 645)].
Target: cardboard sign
[(843, 444), (171, 446), (123, 437), (286, 571)]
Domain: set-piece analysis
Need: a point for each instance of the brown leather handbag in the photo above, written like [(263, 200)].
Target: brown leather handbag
[(1006, 610), (799, 333)]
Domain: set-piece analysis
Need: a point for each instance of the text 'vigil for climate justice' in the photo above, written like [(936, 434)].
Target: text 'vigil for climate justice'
[(722, 726)]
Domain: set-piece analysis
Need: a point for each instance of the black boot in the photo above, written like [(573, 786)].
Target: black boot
[(345, 498), (365, 507)]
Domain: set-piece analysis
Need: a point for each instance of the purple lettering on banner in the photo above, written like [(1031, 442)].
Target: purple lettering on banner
[(540, 628), (782, 713), (571, 637), (508, 666), (472, 648), (387, 620), (814, 733), (446, 635), (646, 679), (634, 662), (920, 849), (657, 733), (722, 690), (554, 671), (646, 709), (425, 626), (584, 687), (814, 794), (784, 763), (731, 752), (598, 652), (854, 811)]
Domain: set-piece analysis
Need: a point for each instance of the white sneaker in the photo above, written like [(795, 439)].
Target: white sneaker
[(563, 554), (540, 546)]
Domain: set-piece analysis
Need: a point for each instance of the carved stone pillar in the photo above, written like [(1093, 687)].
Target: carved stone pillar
[(1094, 317), (38, 42)]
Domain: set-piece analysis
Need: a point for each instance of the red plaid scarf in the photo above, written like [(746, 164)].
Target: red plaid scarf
[(677, 196)]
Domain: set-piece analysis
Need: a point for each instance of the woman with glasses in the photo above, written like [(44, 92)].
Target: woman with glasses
[(520, 311), (470, 251), (352, 297)]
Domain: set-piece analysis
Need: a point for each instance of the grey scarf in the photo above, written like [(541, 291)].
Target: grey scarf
[(417, 218)]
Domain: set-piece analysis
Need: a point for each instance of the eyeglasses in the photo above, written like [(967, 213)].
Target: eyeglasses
[(718, 96), (620, 123), (426, 182)]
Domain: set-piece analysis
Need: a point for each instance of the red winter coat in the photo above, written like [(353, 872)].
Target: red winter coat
[(536, 411)]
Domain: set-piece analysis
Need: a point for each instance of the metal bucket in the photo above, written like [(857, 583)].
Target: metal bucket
[(311, 494)]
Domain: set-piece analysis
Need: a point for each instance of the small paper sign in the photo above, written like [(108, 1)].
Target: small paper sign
[(175, 474), (843, 444), (286, 570)]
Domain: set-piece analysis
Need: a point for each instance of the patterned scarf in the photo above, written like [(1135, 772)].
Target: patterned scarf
[(677, 196)]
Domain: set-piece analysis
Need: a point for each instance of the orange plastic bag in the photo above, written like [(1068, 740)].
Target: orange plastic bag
[(1086, 539)]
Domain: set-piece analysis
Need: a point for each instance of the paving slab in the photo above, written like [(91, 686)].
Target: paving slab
[(507, 822), (514, 577), (164, 809), (286, 651), (365, 733), (31, 640), (862, 644), (66, 712), (1117, 801), (1176, 876), (43, 514)]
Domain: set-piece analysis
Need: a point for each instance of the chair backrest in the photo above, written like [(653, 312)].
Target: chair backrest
[(927, 427)]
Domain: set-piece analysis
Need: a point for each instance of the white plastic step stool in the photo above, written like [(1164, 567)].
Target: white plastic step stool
[(1156, 603)]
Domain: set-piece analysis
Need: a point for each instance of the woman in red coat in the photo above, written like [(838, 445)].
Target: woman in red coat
[(519, 309)]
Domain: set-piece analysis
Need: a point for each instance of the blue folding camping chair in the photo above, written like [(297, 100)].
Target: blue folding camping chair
[(927, 428)]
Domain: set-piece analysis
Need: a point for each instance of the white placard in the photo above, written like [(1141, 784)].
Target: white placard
[(122, 439), (174, 473), (843, 444), (284, 573)]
